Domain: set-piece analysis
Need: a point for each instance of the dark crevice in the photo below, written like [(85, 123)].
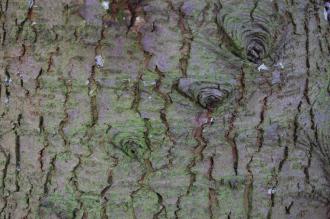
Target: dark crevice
[(230, 134), (212, 195), (109, 182), (162, 112), (103, 194), (224, 37), (306, 93), (289, 15), (260, 130), (42, 151), (187, 39), (49, 175), (5, 169), (296, 124), (133, 9), (64, 121), (169, 134), (306, 167), (202, 119), (21, 25), (288, 208), (253, 9), (75, 186), (275, 175), (35, 31), (17, 152), (204, 14), (190, 186), (51, 60), (2, 210), (92, 85), (92, 89), (318, 22), (28, 199), (132, 200), (162, 205), (137, 94), (42, 132), (22, 53), (285, 157), (37, 80), (41, 124), (8, 81), (4, 34), (157, 88), (248, 191), (147, 129), (230, 137)]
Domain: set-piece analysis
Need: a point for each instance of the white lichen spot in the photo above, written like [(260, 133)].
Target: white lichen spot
[(30, 3), (280, 64), (8, 81), (92, 92), (106, 5), (262, 67), (6, 100), (325, 13), (271, 191), (138, 19), (99, 61)]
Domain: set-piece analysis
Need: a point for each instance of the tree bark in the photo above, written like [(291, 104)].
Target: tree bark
[(164, 109)]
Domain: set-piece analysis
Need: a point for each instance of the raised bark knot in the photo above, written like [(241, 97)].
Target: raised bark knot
[(255, 51), (207, 94), (130, 144), (251, 31)]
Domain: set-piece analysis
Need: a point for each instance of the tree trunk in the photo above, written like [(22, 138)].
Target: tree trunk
[(164, 109)]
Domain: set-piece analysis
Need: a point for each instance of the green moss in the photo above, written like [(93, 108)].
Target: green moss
[(119, 210), (131, 144), (65, 156), (149, 78), (145, 203), (28, 34), (62, 204), (296, 166), (92, 205)]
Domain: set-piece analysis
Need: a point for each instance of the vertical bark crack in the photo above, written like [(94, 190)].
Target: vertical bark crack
[(187, 38), (212, 195)]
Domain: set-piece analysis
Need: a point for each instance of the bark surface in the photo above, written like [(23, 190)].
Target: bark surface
[(164, 109)]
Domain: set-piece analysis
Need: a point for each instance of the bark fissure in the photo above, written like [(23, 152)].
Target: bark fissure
[(65, 120), (106, 109), (213, 201), (187, 39)]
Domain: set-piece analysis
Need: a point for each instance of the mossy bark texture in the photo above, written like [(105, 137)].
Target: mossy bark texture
[(164, 109)]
